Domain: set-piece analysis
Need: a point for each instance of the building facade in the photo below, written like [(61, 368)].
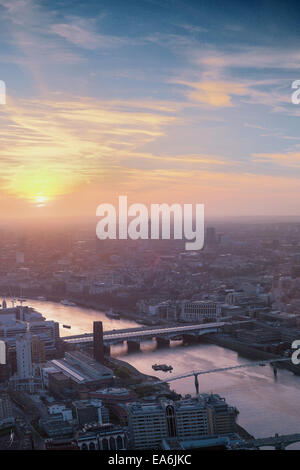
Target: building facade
[(204, 415), (200, 311), (24, 358)]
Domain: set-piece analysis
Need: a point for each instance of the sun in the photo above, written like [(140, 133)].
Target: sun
[(40, 200)]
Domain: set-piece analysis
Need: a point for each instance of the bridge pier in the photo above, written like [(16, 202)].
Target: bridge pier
[(196, 384), (133, 346), (162, 342), (279, 446), (107, 349), (190, 339)]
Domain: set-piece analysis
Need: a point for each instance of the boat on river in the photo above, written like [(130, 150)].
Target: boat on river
[(162, 367), (113, 315), (67, 303)]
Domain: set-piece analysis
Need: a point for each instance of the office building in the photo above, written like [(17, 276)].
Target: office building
[(90, 411), (199, 311), (38, 352), (24, 358), (204, 415)]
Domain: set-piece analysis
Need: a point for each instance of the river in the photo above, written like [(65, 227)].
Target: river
[(267, 405)]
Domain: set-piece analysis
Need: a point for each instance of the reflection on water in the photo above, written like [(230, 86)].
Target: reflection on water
[(80, 319), (266, 405)]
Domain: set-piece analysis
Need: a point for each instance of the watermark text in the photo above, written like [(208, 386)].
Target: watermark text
[(136, 222)]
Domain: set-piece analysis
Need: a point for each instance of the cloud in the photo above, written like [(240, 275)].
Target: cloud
[(53, 144), (287, 160), (257, 57), (217, 94), (82, 33)]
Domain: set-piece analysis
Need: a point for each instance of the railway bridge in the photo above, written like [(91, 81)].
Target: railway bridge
[(134, 336)]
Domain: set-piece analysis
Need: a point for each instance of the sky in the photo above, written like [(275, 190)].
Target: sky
[(160, 100)]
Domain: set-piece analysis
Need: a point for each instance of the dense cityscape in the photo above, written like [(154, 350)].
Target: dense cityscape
[(61, 390)]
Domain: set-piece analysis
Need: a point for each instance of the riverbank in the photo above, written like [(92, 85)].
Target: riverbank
[(95, 305), (243, 433), (248, 351), (142, 384)]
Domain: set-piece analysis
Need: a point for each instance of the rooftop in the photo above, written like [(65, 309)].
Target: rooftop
[(81, 368)]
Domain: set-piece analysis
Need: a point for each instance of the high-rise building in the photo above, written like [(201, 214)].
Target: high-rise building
[(24, 358), (221, 416), (38, 353), (98, 341)]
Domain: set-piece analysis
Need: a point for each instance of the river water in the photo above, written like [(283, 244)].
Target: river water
[(267, 405)]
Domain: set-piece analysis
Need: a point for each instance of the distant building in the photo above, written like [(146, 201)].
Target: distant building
[(15, 321), (199, 311), (20, 257), (210, 237)]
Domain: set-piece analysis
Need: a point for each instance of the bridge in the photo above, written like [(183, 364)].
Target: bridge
[(194, 373), (277, 441), (134, 336), (222, 369)]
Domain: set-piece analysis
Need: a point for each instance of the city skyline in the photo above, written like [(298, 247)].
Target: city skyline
[(169, 101)]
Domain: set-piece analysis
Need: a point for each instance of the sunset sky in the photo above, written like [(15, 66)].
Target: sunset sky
[(160, 100)]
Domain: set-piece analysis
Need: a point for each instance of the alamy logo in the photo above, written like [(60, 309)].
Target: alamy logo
[(155, 224), (296, 94), (296, 354), (2, 92)]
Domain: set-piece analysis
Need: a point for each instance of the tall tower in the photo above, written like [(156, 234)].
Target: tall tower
[(24, 360), (98, 341), (38, 354)]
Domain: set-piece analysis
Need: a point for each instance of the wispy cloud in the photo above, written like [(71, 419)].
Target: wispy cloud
[(286, 160), (74, 139), (257, 57), (216, 94), (83, 33)]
